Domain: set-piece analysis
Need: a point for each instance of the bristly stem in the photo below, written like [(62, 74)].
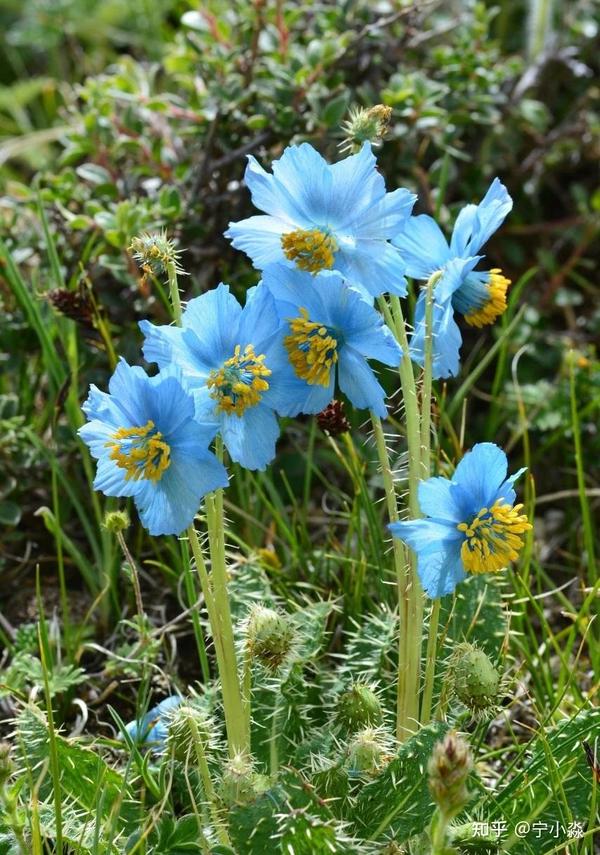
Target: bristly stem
[(174, 292), (409, 590), (214, 588), (207, 783), (425, 473)]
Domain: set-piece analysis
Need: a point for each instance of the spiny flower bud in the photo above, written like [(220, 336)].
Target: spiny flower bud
[(332, 420), (269, 636), (473, 679), (365, 124), (240, 783), (359, 707), (189, 725), (154, 252), (116, 521), (449, 769), (369, 751)]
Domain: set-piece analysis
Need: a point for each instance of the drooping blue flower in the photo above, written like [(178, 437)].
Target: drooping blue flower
[(230, 358), (330, 330), (478, 295), (152, 729), (152, 446), (322, 216), (472, 524)]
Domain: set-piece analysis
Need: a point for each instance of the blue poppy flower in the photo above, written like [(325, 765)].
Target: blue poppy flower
[(472, 524), (323, 216), (152, 729), (480, 296), (330, 329), (151, 446), (230, 359)]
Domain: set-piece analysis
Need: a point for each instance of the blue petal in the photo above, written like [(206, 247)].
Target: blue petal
[(266, 194), (374, 266), (474, 229), (165, 401), (110, 480), (305, 181), (437, 500), (214, 320), (437, 547), (442, 572), (259, 321), (478, 476), (505, 491), (423, 246), (169, 506), (260, 238), (446, 339), (358, 382), (293, 289), (165, 345), (385, 218), (144, 730), (251, 438)]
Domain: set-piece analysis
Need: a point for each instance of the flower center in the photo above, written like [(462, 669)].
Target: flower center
[(495, 301), (312, 349), (141, 451), (312, 249), (240, 381), (492, 538)]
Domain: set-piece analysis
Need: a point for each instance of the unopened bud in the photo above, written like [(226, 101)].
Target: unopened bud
[(449, 769), (116, 521), (359, 707), (241, 784), (155, 252), (473, 678), (189, 725), (369, 751), (365, 124), (269, 636)]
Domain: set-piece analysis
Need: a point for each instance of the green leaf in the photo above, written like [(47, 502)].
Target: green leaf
[(398, 802), (555, 785), (85, 779)]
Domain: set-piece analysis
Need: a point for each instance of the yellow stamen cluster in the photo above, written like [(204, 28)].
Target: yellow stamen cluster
[(311, 249), (312, 350), (240, 381), (141, 451), (493, 539), (495, 305)]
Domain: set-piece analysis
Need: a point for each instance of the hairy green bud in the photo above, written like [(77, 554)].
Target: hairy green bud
[(241, 784), (189, 725), (449, 769), (365, 124), (473, 678), (358, 707), (155, 252), (269, 636), (369, 751), (116, 521)]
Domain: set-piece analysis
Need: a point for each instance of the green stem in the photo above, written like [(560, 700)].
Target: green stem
[(226, 663), (426, 472), (402, 578), (431, 657), (174, 292), (410, 634), (207, 783)]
